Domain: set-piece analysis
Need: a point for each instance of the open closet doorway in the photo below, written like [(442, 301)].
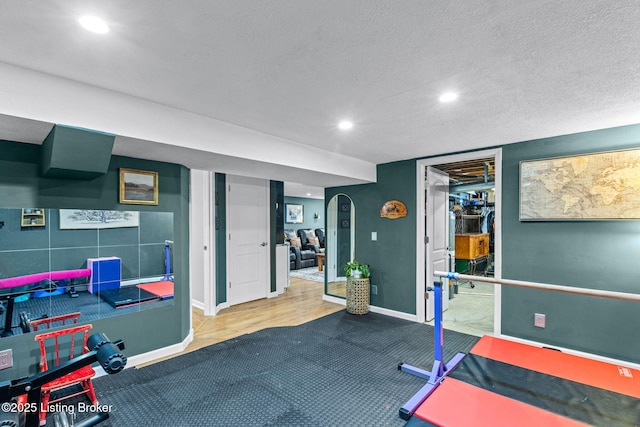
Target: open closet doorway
[(471, 208)]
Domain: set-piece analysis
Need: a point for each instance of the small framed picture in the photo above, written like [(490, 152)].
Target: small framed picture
[(138, 187), (294, 214)]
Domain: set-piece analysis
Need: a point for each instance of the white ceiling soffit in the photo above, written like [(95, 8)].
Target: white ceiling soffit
[(167, 133), (23, 130), (253, 79), (206, 160)]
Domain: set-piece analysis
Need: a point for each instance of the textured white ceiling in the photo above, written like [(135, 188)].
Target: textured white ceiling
[(290, 69)]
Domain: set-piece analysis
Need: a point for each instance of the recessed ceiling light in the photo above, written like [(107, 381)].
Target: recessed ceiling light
[(345, 125), (308, 194), (448, 97), (94, 24)]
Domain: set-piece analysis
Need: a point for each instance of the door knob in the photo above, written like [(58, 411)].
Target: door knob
[(264, 244)]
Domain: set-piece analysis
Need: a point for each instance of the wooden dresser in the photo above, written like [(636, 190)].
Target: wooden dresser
[(472, 246)]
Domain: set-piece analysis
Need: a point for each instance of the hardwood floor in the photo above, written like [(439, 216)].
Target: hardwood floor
[(301, 303)]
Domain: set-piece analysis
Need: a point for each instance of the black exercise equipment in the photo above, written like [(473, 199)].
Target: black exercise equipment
[(7, 330), (126, 296)]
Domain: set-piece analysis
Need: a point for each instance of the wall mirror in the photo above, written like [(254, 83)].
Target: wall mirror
[(98, 263), (340, 243)]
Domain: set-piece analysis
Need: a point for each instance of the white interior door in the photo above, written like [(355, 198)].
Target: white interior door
[(247, 239), (437, 233)]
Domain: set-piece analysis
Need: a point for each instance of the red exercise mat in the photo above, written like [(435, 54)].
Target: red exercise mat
[(456, 403), (162, 289), (618, 379)]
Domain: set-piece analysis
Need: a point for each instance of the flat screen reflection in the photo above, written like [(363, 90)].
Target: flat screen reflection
[(99, 263)]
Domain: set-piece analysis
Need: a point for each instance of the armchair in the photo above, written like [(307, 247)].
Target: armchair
[(309, 240), (302, 257), (294, 257), (320, 234)]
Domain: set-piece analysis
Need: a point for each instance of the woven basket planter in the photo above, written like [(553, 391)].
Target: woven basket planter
[(357, 296)]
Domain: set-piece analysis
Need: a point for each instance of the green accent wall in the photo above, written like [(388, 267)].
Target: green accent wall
[(220, 237), (276, 224), (21, 184), (589, 254), (343, 233), (71, 152), (392, 258)]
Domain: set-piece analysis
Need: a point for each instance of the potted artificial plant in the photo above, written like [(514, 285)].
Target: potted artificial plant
[(356, 270), (357, 287)]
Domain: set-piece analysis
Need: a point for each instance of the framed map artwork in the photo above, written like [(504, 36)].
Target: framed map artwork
[(598, 186)]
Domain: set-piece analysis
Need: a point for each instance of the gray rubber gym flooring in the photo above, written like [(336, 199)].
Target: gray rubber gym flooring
[(340, 370)]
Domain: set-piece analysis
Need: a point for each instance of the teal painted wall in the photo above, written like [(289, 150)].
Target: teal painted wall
[(276, 195), (220, 237), (392, 258), (343, 233), (589, 254), (276, 224), (311, 206), (66, 149), (22, 185)]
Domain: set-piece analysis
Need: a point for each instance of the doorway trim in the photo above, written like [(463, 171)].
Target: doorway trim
[(201, 235), (421, 166)]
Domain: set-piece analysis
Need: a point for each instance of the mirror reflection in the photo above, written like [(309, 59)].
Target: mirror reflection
[(81, 264), (340, 242)]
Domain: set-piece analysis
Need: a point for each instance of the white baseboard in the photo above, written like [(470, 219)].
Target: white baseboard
[(198, 304), (393, 313), (222, 306), (374, 309), (573, 352), (334, 300), (150, 356), (274, 294)]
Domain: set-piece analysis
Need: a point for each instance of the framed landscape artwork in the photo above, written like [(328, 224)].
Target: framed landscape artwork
[(138, 187), (294, 214)]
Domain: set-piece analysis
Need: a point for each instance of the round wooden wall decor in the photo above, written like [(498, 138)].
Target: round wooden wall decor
[(393, 209)]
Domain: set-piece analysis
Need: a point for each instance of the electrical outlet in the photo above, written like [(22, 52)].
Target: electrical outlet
[(6, 359), (374, 289), (539, 320)]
